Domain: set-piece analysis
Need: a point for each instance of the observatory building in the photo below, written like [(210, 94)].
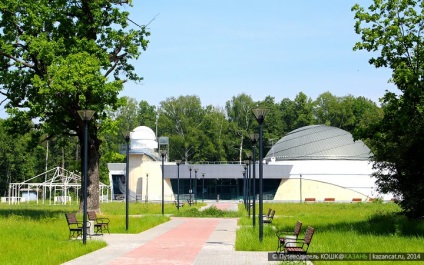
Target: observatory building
[(312, 163)]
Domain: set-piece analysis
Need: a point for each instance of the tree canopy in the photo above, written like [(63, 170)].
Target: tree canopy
[(393, 31), (58, 57)]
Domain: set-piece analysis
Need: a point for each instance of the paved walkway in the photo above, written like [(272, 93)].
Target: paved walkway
[(179, 241)]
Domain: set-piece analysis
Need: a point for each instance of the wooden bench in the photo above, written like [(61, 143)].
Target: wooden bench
[(181, 204), (329, 199), (100, 223), (75, 227), (309, 199), (285, 236), (299, 246), (268, 220), (356, 200), (268, 214)]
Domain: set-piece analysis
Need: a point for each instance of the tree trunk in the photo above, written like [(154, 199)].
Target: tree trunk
[(93, 176)]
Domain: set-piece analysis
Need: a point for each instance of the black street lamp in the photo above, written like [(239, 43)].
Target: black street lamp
[(147, 188), (86, 116), (247, 163), (163, 155), (190, 190), (178, 183), (195, 185), (260, 114), (254, 138), (127, 179), (203, 187), (245, 186)]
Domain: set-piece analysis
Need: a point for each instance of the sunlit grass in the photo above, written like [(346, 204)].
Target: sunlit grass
[(38, 234), (349, 227)]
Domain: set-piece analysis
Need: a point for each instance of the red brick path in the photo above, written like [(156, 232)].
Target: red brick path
[(177, 246)]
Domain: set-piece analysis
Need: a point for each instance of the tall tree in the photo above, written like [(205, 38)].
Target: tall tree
[(288, 113), (58, 57), (274, 124), (303, 107), (393, 31), (240, 116), (326, 108), (180, 119), (147, 115)]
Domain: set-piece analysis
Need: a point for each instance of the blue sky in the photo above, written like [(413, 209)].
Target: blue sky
[(219, 49)]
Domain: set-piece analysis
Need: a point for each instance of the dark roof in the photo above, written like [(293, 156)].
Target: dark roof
[(319, 142)]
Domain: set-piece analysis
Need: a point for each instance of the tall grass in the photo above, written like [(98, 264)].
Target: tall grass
[(355, 227)]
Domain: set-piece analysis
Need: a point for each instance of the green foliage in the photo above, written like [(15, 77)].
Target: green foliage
[(208, 212), (392, 31), (58, 57)]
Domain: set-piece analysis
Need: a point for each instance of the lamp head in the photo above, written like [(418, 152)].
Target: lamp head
[(127, 136), (86, 114), (260, 114), (178, 162), (254, 137), (163, 153), (249, 156)]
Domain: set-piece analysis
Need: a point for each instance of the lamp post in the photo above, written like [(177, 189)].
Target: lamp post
[(247, 163), (260, 114), (178, 183), (203, 187), (127, 179), (147, 188), (190, 190), (86, 116), (195, 185), (163, 154), (244, 186), (254, 138)]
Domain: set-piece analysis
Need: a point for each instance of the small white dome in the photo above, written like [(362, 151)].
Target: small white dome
[(143, 137)]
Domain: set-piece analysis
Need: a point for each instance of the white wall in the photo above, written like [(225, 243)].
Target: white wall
[(339, 179)]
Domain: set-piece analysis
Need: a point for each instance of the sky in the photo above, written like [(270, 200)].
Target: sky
[(219, 49), (222, 48)]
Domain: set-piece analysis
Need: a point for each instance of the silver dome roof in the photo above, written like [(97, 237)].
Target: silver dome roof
[(319, 142)]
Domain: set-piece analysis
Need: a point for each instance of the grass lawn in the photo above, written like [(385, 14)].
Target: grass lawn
[(38, 234), (339, 227)]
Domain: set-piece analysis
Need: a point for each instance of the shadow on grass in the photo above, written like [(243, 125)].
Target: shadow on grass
[(380, 224), (35, 214)]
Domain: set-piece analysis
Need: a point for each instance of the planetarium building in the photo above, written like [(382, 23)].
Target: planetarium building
[(327, 165), (312, 163)]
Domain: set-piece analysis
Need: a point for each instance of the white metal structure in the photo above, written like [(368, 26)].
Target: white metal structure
[(58, 186)]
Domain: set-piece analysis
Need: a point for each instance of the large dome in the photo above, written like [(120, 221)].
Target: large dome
[(318, 142)]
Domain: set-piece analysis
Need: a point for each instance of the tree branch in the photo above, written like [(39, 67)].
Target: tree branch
[(16, 59)]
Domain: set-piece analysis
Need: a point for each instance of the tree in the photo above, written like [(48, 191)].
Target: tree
[(273, 128), (147, 115), (58, 57), (288, 113), (303, 107), (393, 31), (241, 118), (180, 119)]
